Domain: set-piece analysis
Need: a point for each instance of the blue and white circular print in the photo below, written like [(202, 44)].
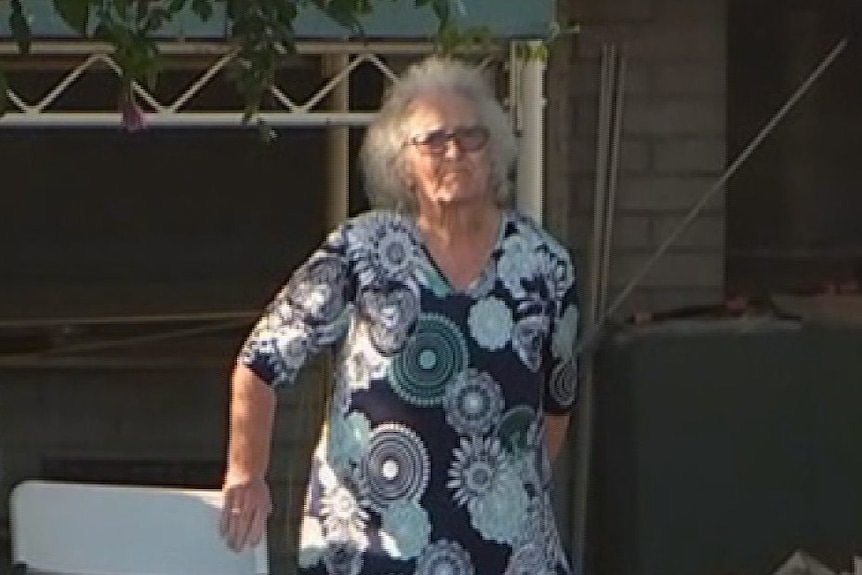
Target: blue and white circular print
[(435, 355), (473, 403), (396, 466), (445, 557)]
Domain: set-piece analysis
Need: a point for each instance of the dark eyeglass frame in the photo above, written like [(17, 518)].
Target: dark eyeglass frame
[(467, 138)]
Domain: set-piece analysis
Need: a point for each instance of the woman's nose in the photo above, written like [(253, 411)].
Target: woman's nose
[(452, 149)]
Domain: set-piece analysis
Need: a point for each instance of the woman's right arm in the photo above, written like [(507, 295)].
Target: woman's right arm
[(247, 502), (304, 317)]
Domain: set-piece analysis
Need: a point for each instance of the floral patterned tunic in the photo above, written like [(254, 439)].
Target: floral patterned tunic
[(433, 460)]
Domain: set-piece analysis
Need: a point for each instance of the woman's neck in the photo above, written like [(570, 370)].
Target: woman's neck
[(447, 224), (460, 242)]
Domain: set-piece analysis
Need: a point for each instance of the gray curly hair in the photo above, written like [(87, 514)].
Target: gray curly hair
[(381, 157)]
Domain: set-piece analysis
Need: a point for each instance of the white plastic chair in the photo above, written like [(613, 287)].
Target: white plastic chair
[(80, 528)]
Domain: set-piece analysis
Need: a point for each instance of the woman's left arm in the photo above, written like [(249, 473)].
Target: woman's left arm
[(557, 428), (561, 387)]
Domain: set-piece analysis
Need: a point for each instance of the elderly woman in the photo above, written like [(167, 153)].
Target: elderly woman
[(453, 319)]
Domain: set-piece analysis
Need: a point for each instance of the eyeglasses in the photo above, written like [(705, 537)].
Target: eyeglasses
[(468, 139)]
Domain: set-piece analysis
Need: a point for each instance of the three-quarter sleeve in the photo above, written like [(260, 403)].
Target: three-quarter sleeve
[(310, 312), (561, 388)]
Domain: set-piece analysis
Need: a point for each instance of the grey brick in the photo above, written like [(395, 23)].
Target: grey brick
[(637, 301), (615, 11), (583, 155), (685, 11), (667, 39), (652, 301), (635, 155), (673, 270), (670, 193), (584, 117), (671, 299), (587, 78), (667, 117), (628, 232), (686, 78), (592, 37), (672, 40), (632, 231), (689, 155), (581, 232), (705, 232), (584, 191)]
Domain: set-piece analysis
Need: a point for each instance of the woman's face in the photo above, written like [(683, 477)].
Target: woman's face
[(447, 152)]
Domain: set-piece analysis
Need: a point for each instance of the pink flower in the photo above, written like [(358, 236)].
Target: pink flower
[(132, 114)]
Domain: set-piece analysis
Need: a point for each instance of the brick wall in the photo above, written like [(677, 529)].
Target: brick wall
[(672, 144)]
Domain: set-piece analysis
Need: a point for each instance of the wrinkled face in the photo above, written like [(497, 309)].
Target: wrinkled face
[(447, 152)]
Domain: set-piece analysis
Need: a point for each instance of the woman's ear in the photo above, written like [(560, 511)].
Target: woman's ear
[(405, 174)]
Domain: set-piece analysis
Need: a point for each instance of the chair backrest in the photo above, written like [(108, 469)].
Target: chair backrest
[(96, 529)]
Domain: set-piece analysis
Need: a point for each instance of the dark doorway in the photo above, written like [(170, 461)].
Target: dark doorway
[(795, 209)]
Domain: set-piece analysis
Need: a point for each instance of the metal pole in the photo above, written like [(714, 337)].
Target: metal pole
[(610, 109), (337, 139), (314, 403), (618, 98), (603, 134), (530, 118)]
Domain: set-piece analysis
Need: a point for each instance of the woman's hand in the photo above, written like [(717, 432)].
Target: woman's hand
[(245, 509), (558, 426), (246, 502)]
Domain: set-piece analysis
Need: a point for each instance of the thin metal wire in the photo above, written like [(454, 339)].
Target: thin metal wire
[(135, 340), (126, 319), (112, 362)]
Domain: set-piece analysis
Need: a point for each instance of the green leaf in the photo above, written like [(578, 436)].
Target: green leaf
[(203, 9), (151, 73), (176, 6), (102, 31), (344, 18), (20, 27), (141, 11), (157, 18), (442, 11), (75, 13), (480, 35), (449, 38), (232, 9), (122, 9), (265, 132), (286, 12), (363, 7)]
